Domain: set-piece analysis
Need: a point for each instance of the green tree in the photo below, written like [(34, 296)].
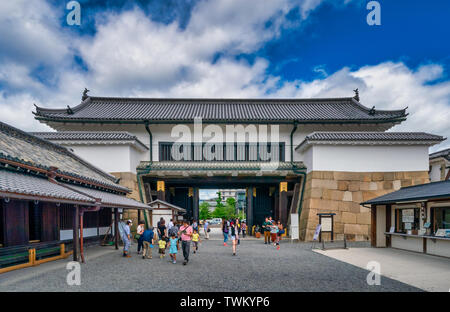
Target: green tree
[(204, 211)]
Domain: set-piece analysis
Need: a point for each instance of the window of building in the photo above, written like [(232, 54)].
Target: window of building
[(407, 219), (441, 218), (66, 217)]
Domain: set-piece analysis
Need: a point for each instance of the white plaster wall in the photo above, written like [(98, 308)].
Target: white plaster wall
[(359, 158), (435, 173), (109, 158)]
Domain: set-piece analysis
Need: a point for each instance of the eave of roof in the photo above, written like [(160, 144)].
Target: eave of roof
[(90, 136), (369, 138), (415, 193), (167, 204)]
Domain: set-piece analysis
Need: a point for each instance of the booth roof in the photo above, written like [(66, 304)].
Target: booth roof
[(422, 192)]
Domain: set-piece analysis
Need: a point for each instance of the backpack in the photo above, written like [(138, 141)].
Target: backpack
[(233, 231)]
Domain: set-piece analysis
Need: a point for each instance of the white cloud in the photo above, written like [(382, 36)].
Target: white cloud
[(389, 86), (131, 55)]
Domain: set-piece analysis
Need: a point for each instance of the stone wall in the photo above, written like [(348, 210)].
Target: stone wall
[(129, 180), (341, 193)]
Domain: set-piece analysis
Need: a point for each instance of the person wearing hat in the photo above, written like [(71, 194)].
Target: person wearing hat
[(127, 239)]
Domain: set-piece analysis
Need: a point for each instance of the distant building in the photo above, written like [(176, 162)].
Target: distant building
[(439, 165)]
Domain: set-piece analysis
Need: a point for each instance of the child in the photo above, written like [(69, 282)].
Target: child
[(195, 240), (173, 248), (162, 247)]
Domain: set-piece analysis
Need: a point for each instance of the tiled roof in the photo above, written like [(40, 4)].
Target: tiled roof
[(220, 110), (217, 165), (444, 153), (25, 184), (162, 202), (88, 136), (109, 199), (432, 190), (382, 137), (22, 147)]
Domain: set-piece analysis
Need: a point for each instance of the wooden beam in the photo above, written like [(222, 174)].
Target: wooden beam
[(374, 226), (196, 198), (116, 228), (75, 227), (250, 208)]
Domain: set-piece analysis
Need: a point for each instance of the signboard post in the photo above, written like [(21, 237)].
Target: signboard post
[(327, 224)]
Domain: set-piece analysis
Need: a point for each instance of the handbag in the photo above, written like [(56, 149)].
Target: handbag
[(209, 230), (137, 236)]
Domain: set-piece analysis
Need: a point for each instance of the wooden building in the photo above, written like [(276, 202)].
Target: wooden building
[(49, 196), (415, 218)]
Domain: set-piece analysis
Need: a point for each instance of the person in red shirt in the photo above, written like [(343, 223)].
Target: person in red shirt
[(185, 233)]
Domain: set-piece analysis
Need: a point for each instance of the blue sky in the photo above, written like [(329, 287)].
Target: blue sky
[(227, 48)]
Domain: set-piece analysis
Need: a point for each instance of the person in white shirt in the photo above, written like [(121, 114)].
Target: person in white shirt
[(170, 225), (139, 231)]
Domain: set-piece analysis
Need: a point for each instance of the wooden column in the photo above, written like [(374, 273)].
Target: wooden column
[(250, 209), (388, 224), (161, 190), (282, 207), (76, 226), (195, 206), (373, 211), (116, 228)]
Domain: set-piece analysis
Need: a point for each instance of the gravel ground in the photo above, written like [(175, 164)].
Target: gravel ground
[(257, 267)]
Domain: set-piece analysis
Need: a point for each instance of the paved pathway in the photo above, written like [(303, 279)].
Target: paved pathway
[(423, 271), (257, 267)]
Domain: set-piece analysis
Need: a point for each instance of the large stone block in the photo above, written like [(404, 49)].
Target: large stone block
[(354, 186), (347, 217), (363, 218), (357, 197), (377, 176), (343, 185), (326, 184), (388, 185), (347, 196), (389, 176), (346, 176), (362, 229)]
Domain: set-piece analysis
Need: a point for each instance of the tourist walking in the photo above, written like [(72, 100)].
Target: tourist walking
[(266, 228), (126, 238), (162, 228), (169, 226), (140, 240), (186, 237), (195, 240), (162, 247), (173, 230), (173, 248), (234, 236), (273, 233), (206, 229), (244, 229), (195, 225), (148, 238), (225, 231), (280, 232)]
